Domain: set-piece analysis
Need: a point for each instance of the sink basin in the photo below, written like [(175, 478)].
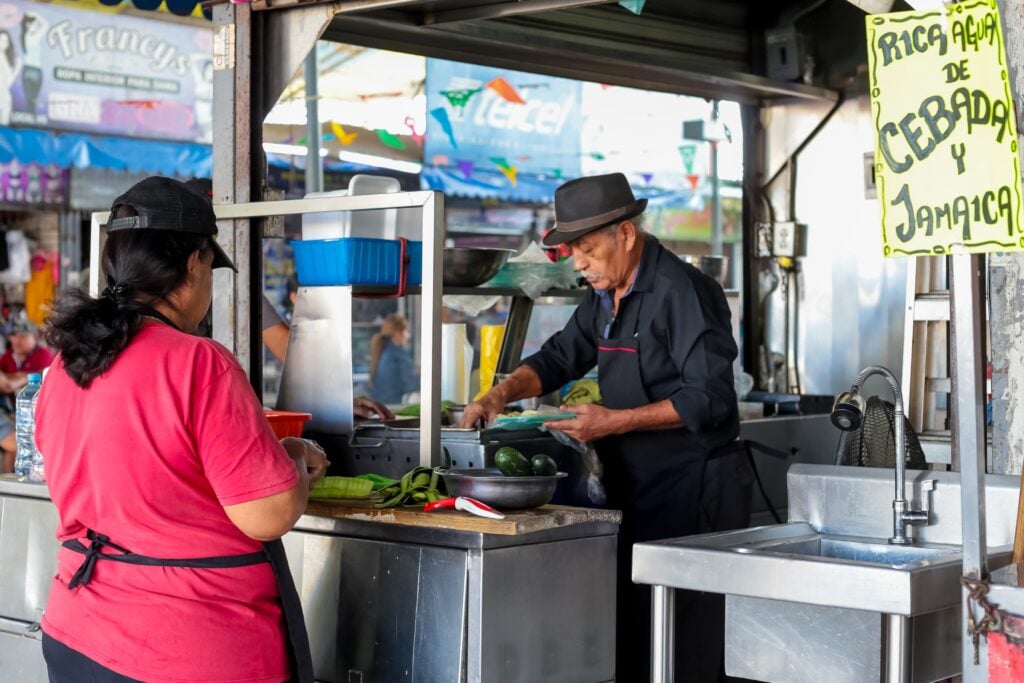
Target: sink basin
[(855, 550), (796, 563)]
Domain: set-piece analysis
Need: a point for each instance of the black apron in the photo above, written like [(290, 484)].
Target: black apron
[(666, 487), (273, 552)]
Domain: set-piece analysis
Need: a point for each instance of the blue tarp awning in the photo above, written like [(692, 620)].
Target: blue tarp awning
[(75, 150), (487, 184)]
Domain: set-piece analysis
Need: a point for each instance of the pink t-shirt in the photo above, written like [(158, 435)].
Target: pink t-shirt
[(148, 455)]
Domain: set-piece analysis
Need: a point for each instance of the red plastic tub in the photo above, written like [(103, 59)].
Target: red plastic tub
[(285, 423)]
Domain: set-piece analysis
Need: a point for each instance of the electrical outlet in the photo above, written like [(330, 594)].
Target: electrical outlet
[(789, 240), (870, 188)]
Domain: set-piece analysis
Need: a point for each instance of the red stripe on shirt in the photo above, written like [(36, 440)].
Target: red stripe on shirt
[(615, 348)]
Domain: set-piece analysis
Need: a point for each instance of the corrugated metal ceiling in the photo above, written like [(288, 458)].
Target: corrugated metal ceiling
[(699, 47)]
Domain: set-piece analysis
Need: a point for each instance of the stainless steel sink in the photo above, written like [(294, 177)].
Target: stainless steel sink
[(826, 597), (794, 562), (854, 549)]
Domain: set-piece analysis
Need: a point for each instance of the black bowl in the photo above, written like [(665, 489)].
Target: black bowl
[(471, 267)]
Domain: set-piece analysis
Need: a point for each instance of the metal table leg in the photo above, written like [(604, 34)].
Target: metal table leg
[(898, 649), (663, 637)]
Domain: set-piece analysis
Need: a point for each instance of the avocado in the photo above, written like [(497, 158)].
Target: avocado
[(512, 463), (544, 465)]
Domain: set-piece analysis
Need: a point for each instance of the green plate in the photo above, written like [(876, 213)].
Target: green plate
[(529, 422)]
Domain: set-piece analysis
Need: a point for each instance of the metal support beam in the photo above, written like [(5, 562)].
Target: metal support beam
[(503, 9), (342, 6), (288, 38), (232, 182), (314, 165), (255, 56), (753, 176), (430, 326), (968, 353), (1007, 288)]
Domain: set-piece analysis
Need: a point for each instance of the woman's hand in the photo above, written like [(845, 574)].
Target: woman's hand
[(367, 407), (312, 455)]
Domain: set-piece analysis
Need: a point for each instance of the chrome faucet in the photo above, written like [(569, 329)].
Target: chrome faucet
[(847, 415)]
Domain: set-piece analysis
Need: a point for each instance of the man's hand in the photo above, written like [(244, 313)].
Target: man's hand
[(592, 422), (484, 410), (522, 383), (367, 407)]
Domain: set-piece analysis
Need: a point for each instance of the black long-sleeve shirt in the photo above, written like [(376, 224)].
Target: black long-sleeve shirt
[(685, 341)]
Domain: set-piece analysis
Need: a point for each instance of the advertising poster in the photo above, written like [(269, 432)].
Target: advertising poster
[(485, 119), (946, 160), (71, 69)]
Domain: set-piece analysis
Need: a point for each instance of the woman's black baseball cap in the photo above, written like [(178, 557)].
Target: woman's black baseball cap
[(168, 204)]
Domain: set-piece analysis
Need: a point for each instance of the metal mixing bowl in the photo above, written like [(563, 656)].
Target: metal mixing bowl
[(715, 266), (505, 493), (470, 267)]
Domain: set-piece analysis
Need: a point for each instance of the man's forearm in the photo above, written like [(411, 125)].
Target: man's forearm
[(660, 415), (523, 383)]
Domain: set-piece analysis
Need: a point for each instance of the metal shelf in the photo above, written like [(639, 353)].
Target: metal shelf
[(363, 290)]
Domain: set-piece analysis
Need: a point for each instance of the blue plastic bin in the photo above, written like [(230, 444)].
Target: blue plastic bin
[(355, 261)]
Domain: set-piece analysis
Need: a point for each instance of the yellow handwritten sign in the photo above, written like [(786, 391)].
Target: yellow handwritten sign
[(946, 161)]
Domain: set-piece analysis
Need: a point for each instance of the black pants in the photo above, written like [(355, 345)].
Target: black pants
[(65, 665), (723, 503)]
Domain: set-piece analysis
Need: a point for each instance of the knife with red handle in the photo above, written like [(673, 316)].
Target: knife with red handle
[(470, 505)]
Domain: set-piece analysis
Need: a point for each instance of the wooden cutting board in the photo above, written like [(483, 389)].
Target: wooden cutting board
[(518, 522)]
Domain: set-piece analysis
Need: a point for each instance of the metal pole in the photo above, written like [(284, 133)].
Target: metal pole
[(234, 137), (314, 167), (897, 649), (716, 203), (1007, 286), (968, 426), (430, 302), (663, 639)]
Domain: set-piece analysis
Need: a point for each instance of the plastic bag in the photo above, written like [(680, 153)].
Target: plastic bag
[(591, 463), (19, 257), (534, 273), (471, 305)]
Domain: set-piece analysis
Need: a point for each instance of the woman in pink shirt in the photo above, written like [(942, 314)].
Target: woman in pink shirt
[(172, 490)]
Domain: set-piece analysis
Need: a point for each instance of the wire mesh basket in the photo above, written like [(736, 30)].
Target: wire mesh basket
[(874, 444)]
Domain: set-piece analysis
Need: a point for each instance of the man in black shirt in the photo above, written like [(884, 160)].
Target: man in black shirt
[(658, 331)]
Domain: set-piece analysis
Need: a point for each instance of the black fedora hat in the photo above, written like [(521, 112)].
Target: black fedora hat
[(587, 204)]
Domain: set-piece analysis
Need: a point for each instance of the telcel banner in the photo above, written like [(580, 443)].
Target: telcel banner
[(946, 160), (485, 118), (86, 71)]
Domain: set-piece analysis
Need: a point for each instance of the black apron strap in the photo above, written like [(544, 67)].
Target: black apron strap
[(298, 639), (94, 552), (273, 553)]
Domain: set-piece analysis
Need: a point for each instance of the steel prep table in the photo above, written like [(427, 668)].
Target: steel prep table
[(387, 598)]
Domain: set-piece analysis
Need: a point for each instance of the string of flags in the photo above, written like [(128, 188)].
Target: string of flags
[(345, 138), (507, 169), (440, 114), (510, 171), (389, 139), (456, 100)]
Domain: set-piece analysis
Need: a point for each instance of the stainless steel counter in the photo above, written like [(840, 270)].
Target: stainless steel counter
[(28, 561), (800, 612), (384, 602)]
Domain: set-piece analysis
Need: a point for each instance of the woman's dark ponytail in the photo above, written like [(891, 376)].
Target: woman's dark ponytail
[(143, 267)]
